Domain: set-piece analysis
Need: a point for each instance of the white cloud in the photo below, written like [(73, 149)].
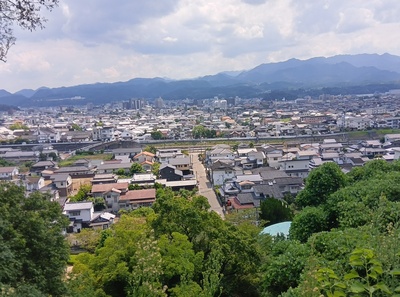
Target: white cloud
[(95, 41)]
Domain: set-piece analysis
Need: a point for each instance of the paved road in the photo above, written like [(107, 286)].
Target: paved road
[(205, 187)]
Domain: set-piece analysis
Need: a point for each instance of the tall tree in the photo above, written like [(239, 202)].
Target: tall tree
[(275, 211), (25, 14), (320, 183), (33, 248)]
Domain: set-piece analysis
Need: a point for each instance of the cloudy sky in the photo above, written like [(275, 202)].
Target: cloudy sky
[(107, 41)]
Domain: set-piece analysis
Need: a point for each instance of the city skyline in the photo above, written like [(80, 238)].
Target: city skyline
[(88, 42)]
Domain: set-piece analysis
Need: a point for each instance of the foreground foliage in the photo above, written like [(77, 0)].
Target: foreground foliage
[(33, 252), (177, 248)]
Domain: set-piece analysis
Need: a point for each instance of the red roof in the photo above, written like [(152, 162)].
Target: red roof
[(236, 205), (149, 194)]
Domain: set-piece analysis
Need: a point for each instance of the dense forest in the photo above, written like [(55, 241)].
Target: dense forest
[(343, 241)]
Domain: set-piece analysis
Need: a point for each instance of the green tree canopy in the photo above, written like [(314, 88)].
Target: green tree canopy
[(33, 251), (310, 220), (156, 135), (275, 211), (151, 149), (136, 168), (320, 183)]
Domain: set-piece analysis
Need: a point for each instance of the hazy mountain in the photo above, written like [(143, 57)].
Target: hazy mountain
[(319, 71), (15, 100), (26, 93), (4, 93), (343, 71), (383, 62)]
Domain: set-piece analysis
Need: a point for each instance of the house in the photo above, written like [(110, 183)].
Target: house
[(188, 184), (82, 215), (102, 220), (45, 134), (182, 164), (20, 156), (273, 158), (280, 180), (130, 152), (75, 171), (103, 133), (252, 160), (143, 179), (8, 173), (295, 167), (221, 171), (146, 159), (170, 173), (243, 152), (242, 201), (331, 146), (43, 165), (219, 154), (34, 183), (63, 183), (163, 155), (76, 136), (108, 168), (110, 193), (137, 198), (83, 163), (79, 214), (143, 157), (104, 179)]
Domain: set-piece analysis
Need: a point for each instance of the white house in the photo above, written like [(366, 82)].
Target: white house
[(295, 167), (34, 183), (8, 173), (274, 157), (221, 171), (80, 215)]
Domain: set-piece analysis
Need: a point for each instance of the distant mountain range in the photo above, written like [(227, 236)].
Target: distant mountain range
[(292, 78)]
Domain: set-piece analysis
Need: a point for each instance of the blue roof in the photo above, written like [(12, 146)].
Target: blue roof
[(278, 228)]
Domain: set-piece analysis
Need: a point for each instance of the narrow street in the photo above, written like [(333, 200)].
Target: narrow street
[(205, 187)]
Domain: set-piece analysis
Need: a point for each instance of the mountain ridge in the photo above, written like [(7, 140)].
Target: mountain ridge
[(317, 72)]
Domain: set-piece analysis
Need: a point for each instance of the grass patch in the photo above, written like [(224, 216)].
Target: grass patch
[(72, 159)]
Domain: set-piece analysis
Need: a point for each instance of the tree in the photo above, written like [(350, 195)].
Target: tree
[(156, 169), (290, 254), (151, 149), (76, 127), (18, 126), (136, 168), (82, 194), (156, 135), (5, 163), (320, 183), (310, 220), (199, 131), (25, 14), (33, 251), (275, 211), (120, 172)]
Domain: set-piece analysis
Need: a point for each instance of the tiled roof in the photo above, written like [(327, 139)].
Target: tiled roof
[(139, 195), (102, 188)]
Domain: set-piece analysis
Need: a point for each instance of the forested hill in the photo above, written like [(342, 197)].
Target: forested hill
[(344, 241), (342, 74)]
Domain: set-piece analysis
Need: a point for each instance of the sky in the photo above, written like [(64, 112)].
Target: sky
[(108, 41)]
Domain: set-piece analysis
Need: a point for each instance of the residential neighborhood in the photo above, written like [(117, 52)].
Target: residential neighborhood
[(265, 150)]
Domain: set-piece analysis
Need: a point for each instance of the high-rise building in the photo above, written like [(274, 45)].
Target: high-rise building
[(159, 103), (136, 104)]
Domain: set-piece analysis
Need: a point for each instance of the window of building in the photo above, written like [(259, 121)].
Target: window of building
[(75, 213)]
